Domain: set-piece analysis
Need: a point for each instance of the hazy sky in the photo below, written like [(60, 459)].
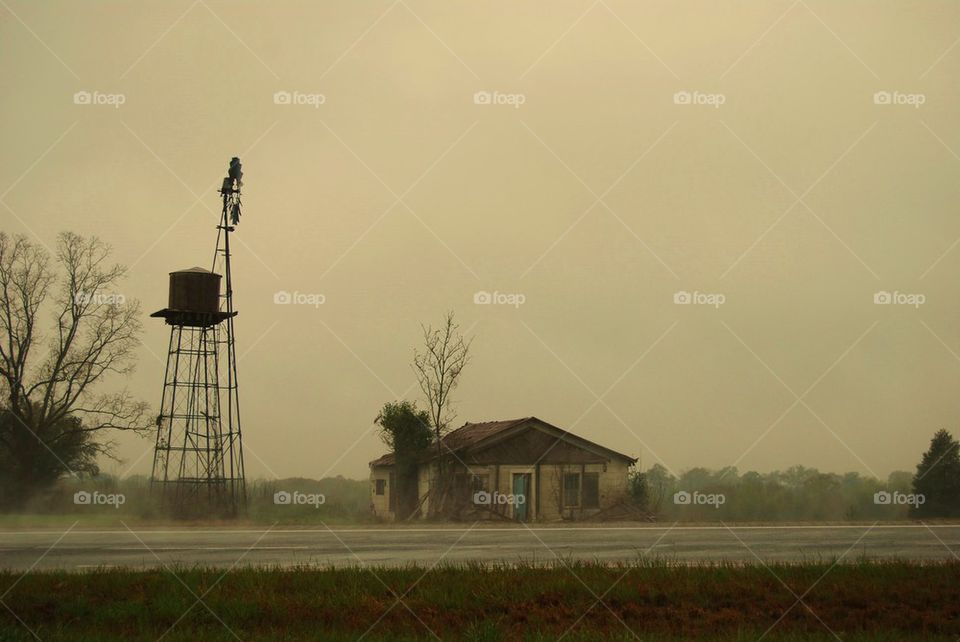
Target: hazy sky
[(586, 184)]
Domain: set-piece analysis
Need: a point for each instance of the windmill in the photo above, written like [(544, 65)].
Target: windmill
[(198, 458)]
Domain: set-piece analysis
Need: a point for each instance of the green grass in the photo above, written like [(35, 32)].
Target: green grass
[(655, 601)]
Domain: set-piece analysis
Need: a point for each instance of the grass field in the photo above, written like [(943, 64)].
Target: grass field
[(649, 600)]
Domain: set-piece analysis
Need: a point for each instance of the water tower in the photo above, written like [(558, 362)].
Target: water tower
[(198, 459)]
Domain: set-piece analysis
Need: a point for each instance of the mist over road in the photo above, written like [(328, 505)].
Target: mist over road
[(87, 548)]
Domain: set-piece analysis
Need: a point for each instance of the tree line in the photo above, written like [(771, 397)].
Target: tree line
[(805, 494)]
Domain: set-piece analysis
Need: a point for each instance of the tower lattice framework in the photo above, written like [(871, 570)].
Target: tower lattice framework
[(198, 464)]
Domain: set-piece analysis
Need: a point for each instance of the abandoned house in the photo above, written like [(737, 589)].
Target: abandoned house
[(522, 469)]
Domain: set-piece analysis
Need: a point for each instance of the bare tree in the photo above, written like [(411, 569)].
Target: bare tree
[(438, 368), (50, 410)]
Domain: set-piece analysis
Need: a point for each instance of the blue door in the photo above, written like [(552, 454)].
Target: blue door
[(521, 496)]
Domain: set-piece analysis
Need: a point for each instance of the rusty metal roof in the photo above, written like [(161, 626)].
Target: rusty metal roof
[(470, 434), (466, 435)]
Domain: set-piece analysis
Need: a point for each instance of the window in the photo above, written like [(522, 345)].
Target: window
[(590, 492), (381, 486), (481, 482), (571, 490)]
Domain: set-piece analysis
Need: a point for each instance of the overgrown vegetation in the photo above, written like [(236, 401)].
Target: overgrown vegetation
[(637, 490), (650, 600), (405, 430)]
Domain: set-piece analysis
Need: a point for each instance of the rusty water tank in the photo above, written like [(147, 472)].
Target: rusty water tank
[(194, 290)]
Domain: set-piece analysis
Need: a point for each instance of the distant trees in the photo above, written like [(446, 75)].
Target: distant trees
[(938, 478), (51, 418), (659, 484), (406, 432), (796, 494)]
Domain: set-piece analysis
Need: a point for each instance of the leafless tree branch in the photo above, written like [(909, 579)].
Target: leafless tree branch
[(94, 333), (438, 368)]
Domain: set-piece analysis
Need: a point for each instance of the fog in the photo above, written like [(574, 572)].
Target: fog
[(625, 155)]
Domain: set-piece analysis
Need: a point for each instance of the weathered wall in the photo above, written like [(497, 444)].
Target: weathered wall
[(424, 476), (381, 503), (546, 507), (613, 487)]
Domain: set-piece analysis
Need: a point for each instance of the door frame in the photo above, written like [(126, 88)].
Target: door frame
[(527, 503)]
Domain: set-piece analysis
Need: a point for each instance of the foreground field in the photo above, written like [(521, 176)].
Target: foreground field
[(576, 601)]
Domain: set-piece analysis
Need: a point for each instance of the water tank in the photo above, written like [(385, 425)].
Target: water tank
[(194, 290)]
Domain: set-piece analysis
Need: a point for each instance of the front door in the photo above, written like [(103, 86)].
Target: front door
[(521, 496)]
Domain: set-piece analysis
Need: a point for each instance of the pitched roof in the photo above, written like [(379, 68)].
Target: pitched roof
[(470, 434)]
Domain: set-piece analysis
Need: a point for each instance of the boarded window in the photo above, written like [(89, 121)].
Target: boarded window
[(590, 493), (381, 486), (571, 490), (481, 482)]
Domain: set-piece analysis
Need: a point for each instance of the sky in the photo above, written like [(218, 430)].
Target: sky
[(699, 233)]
